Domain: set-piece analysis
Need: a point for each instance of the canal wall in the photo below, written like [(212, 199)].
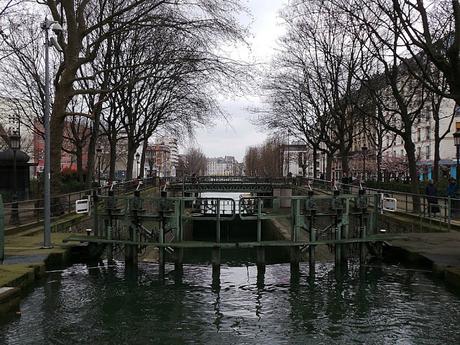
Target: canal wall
[(26, 263), (280, 229), (438, 252)]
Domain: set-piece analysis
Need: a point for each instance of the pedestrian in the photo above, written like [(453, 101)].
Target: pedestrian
[(452, 188), (452, 194), (432, 198)]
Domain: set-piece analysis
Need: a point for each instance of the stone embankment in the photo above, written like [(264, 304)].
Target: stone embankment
[(438, 251), (26, 262)]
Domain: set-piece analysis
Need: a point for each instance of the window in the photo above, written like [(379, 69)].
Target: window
[(419, 152), (428, 133), (402, 153), (428, 152), (419, 134)]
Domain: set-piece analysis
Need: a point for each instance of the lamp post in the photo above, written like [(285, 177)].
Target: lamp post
[(56, 27), (15, 145), (457, 145), (99, 154), (137, 164), (364, 149)]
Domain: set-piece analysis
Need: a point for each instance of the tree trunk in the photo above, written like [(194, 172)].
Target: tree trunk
[(142, 165), (437, 156), (329, 166), (379, 165), (79, 154), (315, 163), (113, 157), (344, 161), (56, 137), (130, 163), (414, 181), (437, 140)]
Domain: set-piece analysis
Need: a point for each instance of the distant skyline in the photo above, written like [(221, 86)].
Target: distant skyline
[(231, 136)]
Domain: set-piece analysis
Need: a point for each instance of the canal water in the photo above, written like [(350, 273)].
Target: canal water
[(378, 304)]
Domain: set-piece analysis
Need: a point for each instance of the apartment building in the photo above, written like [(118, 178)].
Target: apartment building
[(223, 166)]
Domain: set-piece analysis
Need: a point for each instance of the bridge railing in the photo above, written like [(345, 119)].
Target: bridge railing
[(32, 210), (432, 208)]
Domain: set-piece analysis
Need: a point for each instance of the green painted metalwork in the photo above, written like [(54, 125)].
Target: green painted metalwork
[(159, 222)]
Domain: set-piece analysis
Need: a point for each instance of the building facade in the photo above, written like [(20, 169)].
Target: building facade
[(223, 166)]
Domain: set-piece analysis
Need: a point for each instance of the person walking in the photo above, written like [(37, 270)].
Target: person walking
[(452, 194), (432, 198)]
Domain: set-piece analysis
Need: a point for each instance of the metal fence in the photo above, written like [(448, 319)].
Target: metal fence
[(31, 211), (442, 209)]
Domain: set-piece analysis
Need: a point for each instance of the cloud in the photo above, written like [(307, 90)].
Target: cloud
[(232, 137)]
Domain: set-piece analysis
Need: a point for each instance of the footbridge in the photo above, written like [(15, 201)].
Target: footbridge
[(222, 184)]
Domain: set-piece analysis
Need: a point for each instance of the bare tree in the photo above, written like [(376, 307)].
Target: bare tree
[(88, 26), (265, 160), (194, 162)]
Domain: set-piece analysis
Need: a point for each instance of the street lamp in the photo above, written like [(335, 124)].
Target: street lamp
[(56, 27), (99, 154), (137, 164), (364, 149), (457, 145), (15, 145)]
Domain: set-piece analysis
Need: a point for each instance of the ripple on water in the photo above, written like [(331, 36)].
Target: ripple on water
[(111, 305)]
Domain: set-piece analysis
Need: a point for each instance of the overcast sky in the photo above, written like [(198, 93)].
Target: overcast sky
[(233, 136)]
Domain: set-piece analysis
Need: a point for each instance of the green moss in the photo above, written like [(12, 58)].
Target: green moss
[(16, 274)]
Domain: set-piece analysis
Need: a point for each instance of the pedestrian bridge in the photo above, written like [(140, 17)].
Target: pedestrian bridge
[(222, 184)]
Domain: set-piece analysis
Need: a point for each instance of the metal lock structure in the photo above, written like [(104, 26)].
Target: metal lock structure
[(336, 202), (110, 203), (310, 204), (361, 200), (136, 203)]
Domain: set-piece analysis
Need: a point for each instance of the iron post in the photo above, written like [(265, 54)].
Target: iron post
[(46, 120)]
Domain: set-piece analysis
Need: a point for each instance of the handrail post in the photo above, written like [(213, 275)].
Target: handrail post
[(259, 220), (216, 250), (449, 212), (218, 221), (260, 250)]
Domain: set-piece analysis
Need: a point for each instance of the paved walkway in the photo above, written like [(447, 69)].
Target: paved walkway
[(441, 250), (23, 254)]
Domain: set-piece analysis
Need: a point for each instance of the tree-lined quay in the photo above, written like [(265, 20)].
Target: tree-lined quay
[(345, 115)]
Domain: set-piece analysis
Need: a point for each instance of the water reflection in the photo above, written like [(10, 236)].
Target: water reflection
[(114, 304)]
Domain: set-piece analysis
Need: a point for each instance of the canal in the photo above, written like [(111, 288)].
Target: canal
[(378, 304)]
